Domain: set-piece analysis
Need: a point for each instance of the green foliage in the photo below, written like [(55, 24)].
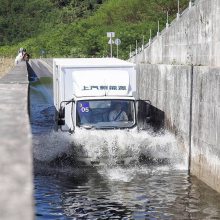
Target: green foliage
[(77, 28)]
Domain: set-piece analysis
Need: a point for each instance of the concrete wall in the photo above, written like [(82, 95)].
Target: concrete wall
[(191, 112), (193, 39), (16, 182), (189, 99), (168, 88), (206, 125)]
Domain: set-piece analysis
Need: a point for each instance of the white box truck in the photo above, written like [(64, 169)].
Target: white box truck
[(94, 93), (100, 93)]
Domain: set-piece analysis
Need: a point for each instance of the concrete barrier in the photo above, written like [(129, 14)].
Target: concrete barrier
[(206, 125), (16, 180), (190, 100), (42, 67), (192, 39), (168, 89)]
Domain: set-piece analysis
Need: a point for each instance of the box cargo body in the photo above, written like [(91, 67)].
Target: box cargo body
[(87, 91)]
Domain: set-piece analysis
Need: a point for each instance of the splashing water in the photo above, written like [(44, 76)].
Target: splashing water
[(117, 144), (109, 146), (49, 146)]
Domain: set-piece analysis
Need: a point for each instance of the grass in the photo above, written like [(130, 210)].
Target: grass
[(6, 64)]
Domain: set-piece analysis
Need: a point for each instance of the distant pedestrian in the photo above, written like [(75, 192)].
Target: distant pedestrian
[(22, 56)]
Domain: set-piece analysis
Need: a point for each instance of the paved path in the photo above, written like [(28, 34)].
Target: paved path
[(16, 180)]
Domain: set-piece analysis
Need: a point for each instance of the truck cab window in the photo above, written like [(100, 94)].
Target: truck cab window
[(105, 113)]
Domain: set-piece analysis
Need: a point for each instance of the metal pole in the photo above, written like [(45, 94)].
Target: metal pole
[(150, 37), (111, 44), (178, 13), (143, 49), (167, 24), (158, 28), (136, 47), (117, 50), (190, 4), (178, 6)]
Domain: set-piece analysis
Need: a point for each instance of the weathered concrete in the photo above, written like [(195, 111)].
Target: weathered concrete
[(206, 125), (169, 89), (189, 97), (43, 67), (16, 182), (193, 39)]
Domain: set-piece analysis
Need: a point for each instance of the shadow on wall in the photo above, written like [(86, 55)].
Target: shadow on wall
[(32, 77), (149, 117)]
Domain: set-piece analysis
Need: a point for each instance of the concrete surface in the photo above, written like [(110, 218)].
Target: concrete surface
[(193, 39), (16, 181), (206, 125), (43, 67), (190, 100), (169, 89)]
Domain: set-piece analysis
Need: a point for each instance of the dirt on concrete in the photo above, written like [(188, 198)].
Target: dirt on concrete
[(6, 64)]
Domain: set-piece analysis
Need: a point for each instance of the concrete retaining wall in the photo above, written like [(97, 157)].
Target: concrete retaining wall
[(16, 182), (206, 125), (168, 89), (190, 99), (193, 39)]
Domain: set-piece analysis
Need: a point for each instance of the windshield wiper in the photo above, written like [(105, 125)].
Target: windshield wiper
[(87, 126)]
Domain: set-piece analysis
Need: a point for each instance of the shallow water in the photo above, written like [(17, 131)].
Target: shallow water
[(66, 190), (123, 193)]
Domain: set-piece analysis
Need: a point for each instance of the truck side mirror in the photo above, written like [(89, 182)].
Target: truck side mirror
[(61, 119), (61, 122), (62, 112), (143, 114)]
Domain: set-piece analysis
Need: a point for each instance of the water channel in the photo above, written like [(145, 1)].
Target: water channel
[(66, 190)]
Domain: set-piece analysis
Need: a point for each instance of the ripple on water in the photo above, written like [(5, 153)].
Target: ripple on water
[(64, 190), (141, 195)]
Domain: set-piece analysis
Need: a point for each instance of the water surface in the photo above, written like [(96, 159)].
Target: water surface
[(66, 190)]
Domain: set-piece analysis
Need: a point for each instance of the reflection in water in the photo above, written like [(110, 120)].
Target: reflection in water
[(64, 190), (144, 194)]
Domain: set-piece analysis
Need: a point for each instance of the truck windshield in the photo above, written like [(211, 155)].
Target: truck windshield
[(109, 114)]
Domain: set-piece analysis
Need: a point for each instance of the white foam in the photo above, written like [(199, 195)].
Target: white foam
[(122, 143), (49, 146), (118, 174), (110, 144)]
